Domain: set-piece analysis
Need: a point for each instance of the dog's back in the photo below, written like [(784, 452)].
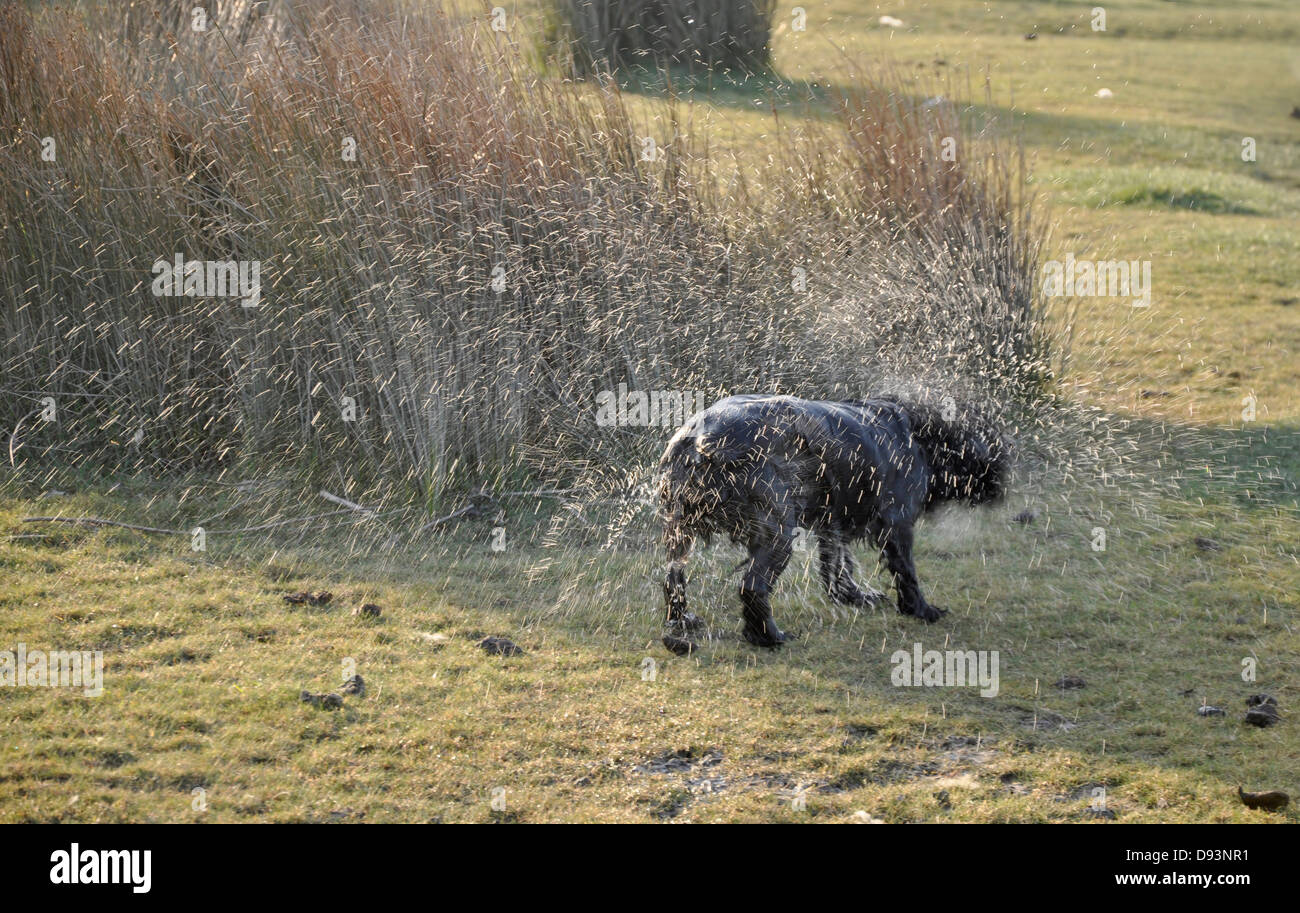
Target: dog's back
[(965, 456)]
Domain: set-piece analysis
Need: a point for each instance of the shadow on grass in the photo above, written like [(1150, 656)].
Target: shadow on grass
[(1250, 466), (1124, 143), (1194, 199), (751, 91)]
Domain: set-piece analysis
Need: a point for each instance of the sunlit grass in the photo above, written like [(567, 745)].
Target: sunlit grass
[(205, 660)]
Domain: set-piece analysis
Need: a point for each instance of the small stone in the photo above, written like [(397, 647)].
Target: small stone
[(1026, 517), (354, 685), (369, 610), (1207, 710), (500, 646), (1208, 545), (1070, 683), (861, 817)]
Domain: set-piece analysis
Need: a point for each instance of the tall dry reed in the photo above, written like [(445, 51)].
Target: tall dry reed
[(443, 309)]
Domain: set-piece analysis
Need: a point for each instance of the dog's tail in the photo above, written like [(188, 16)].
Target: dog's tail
[(969, 457)]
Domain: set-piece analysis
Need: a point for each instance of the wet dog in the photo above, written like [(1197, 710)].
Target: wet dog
[(760, 468)]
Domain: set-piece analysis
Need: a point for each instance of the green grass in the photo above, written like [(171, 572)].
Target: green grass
[(205, 660)]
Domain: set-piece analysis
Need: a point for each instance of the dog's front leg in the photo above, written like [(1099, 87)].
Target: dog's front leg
[(896, 544), (679, 549), (767, 561)]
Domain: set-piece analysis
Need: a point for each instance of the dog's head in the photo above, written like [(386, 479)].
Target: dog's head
[(969, 457), (984, 468)]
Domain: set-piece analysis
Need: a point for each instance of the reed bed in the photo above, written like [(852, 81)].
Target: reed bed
[(442, 309)]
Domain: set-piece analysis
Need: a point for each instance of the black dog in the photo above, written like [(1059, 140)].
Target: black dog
[(758, 468)]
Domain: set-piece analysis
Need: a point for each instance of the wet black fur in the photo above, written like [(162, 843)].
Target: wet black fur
[(757, 468)]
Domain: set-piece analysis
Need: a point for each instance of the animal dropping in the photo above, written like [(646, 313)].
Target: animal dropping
[(500, 646), (323, 701), (1271, 801)]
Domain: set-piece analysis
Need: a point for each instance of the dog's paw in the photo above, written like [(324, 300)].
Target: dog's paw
[(771, 636), (857, 597), (930, 614), (926, 612)]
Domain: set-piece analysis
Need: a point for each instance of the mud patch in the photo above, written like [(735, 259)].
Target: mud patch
[(1046, 721), (882, 773), (681, 760), (855, 734)]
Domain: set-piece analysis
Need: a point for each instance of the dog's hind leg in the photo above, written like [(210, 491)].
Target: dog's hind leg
[(896, 546), (837, 571), (767, 560), (679, 550)]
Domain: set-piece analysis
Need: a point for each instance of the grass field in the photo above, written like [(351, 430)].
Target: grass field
[(201, 720)]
